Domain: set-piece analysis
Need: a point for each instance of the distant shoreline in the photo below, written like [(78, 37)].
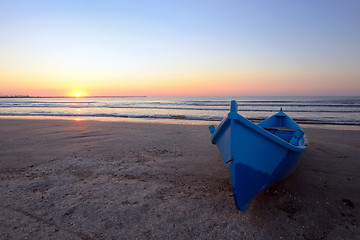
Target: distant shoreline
[(70, 96)]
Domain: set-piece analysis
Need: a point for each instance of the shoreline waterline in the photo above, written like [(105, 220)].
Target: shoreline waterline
[(169, 122)]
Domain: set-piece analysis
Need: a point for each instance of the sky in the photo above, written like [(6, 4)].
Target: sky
[(179, 48)]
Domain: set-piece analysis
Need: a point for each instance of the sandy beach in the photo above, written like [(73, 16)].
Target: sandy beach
[(64, 179)]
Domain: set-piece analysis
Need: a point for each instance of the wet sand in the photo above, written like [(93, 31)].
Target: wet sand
[(64, 179)]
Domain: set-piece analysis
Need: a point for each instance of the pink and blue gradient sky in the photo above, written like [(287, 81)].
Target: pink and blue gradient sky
[(164, 48)]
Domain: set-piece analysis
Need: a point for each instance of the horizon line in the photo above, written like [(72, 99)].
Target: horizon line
[(144, 96)]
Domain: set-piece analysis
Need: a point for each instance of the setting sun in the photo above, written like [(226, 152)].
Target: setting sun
[(77, 94)]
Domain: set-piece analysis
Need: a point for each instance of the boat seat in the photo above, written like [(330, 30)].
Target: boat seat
[(282, 132), (279, 129)]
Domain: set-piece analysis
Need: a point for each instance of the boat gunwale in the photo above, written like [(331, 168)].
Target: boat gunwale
[(255, 127)]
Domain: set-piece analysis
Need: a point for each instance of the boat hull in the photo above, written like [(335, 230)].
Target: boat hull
[(254, 156)]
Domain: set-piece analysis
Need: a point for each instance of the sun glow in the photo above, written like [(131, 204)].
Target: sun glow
[(77, 94)]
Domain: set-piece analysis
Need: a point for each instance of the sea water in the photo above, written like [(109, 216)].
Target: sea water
[(192, 110)]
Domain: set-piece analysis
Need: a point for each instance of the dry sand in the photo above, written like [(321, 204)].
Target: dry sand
[(116, 180)]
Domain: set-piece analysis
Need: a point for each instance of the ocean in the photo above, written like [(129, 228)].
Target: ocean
[(188, 110)]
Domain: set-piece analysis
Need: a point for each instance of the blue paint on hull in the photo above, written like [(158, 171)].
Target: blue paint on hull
[(257, 155)]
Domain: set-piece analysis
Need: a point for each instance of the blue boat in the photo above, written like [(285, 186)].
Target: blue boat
[(257, 155)]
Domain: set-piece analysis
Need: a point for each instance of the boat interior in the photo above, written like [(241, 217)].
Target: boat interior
[(282, 132)]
